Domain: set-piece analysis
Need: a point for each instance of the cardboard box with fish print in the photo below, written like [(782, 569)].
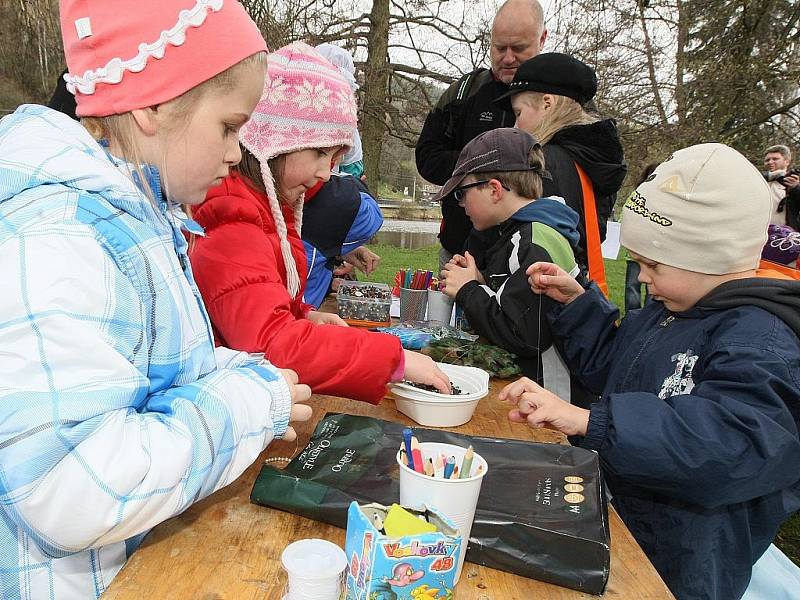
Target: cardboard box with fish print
[(412, 567)]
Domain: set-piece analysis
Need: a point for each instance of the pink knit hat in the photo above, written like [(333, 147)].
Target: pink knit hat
[(306, 103), (128, 54)]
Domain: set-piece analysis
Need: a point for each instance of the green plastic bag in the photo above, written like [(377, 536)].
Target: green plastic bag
[(530, 520)]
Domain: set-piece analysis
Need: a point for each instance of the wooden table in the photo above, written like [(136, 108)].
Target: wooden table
[(226, 548)]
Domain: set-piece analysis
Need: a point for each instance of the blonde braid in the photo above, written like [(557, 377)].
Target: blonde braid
[(298, 214), (292, 276)]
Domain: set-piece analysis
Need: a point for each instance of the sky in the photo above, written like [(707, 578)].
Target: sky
[(459, 55)]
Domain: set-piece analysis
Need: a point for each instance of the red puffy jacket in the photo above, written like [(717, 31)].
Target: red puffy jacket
[(240, 272)]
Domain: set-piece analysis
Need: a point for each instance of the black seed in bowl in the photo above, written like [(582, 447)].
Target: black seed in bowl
[(454, 389)]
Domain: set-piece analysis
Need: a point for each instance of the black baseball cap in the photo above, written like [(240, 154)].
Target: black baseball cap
[(553, 73), (502, 149)]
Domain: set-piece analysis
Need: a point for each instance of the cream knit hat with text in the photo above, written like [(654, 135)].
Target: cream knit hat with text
[(704, 209)]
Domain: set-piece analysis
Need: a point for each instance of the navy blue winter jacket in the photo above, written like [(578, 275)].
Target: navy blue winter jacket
[(340, 217), (697, 426)]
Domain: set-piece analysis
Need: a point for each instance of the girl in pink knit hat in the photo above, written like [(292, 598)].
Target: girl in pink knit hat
[(118, 412), (251, 264)]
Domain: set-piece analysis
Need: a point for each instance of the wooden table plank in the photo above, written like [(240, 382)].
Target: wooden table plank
[(226, 548)]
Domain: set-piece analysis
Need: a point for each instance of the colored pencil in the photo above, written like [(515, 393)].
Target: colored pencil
[(407, 443), (416, 456), (449, 466), (439, 467), (466, 465)]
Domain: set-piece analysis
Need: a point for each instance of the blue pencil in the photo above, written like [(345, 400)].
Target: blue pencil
[(407, 433), (449, 466)]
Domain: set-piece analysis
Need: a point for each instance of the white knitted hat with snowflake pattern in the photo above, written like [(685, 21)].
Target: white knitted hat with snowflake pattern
[(306, 103)]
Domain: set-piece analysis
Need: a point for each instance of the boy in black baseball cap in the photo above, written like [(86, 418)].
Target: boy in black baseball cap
[(498, 181)]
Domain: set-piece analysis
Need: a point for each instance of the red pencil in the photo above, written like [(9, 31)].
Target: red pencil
[(416, 454)]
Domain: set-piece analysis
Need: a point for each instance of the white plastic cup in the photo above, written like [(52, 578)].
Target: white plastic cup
[(315, 569), (440, 307), (457, 499)]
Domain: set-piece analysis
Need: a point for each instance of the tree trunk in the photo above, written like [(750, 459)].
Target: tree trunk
[(651, 69), (376, 83), (680, 65)]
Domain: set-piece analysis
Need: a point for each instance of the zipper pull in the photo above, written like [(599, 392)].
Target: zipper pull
[(667, 321)]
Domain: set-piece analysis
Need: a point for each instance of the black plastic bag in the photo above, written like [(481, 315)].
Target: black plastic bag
[(541, 513)]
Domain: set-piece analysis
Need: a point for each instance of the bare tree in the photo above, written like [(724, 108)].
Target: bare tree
[(403, 49), (672, 72), (30, 55), (679, 72), (376, 77)]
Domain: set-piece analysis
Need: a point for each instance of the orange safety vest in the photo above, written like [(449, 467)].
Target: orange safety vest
[(594, 252), (767, 268)]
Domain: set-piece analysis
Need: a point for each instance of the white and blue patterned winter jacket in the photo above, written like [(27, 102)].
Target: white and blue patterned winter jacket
[(115, 411)]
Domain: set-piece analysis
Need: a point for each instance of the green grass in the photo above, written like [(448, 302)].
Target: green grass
[(788, 538), (393, 259)]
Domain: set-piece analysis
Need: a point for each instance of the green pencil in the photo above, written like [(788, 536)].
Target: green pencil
[(466, 466)]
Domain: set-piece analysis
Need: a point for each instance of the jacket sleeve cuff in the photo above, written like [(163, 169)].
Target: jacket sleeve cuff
[(281, 395), (465, 292), (400, 369), (597, 430), (563, 317)]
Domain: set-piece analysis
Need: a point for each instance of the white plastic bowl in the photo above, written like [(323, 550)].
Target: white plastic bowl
[(443, 410)]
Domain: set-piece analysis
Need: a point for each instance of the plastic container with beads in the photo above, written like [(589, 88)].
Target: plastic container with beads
[(364, 304)]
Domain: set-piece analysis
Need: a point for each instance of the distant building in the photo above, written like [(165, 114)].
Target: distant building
[(427, 191)]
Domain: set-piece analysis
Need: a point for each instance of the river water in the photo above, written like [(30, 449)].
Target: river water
[(408, 234)]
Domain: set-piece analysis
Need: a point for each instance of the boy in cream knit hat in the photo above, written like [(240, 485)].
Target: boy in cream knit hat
[(697, 423)]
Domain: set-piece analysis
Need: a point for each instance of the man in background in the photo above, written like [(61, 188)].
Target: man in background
[(467, 109), (784, 185)]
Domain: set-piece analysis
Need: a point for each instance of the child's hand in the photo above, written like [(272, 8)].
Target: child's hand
[(364, 259), (343, 269), (323, 318), (458, 260), (300, 412), (553, 281), (458, 272), (540, 408), (422, 369)]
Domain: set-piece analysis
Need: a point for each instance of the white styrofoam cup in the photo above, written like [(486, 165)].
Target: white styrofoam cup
[(455, 498)]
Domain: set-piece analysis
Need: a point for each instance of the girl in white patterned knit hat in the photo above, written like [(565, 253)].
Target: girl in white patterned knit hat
[(251, 265)]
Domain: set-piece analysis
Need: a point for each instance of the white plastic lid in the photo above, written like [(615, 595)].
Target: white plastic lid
[(314, 559)]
